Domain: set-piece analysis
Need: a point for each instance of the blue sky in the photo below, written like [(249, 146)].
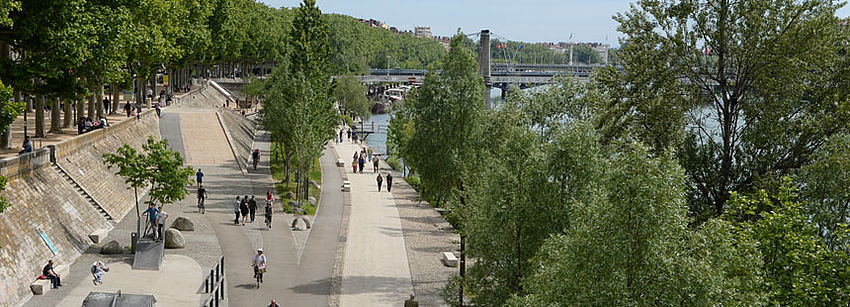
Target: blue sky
[(525, 20)]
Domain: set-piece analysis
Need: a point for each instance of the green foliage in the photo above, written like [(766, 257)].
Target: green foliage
[(157, 167), (393, 163), (3, 203), (824, 188), (532, 53), (800, 268), (351, 95)]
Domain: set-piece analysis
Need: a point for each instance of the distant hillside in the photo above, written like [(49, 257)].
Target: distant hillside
[(357, 47)]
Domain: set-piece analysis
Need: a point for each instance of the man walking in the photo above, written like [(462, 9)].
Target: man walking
[(252, 207), (152, 213), (236, 210), (411, 302), (199, 177), (389, 182), (380, 181), (202, 196), (375, 163), (54, 278)]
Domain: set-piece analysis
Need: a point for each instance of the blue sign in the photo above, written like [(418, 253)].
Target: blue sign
[(46, 240)]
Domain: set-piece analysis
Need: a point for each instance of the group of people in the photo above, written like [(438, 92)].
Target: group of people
[(86, 124), (360, 159), (246, 208), (156, 217), (351, 134)]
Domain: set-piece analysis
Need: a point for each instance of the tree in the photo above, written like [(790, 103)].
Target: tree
[(633, 247), (351, 96), (823, 189), (741, 87), (158, 168)]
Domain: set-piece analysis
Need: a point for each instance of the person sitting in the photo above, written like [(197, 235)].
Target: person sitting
[(48, 272), (89, 125), (27, 145), (103, 122), (81, 126)]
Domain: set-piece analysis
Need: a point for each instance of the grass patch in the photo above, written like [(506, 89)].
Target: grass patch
[(278, 168)]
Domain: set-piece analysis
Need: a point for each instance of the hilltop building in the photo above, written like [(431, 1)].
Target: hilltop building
[(424, 32)]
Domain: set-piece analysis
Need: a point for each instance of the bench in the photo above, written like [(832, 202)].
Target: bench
[(97, 236), (42, 286), (449, 259), (340, 162), (346, 186)]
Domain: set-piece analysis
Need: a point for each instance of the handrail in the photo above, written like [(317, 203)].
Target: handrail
[(214, 285)]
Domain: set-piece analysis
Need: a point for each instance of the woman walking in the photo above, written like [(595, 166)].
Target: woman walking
[(269, 213), (380, 181), (243, 208)]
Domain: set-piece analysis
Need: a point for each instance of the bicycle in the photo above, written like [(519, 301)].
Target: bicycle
[(259, 265)]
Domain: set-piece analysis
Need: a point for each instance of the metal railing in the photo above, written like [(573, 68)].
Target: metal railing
[(214, 285)]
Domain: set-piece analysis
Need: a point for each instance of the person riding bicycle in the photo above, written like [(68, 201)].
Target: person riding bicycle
[(202, 196), (255, 156), (269, 213), (259, 265)]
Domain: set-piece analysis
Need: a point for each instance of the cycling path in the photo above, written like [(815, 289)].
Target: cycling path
[(293, 281)]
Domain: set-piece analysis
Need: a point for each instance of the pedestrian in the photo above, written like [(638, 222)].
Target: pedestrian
[(160, 223), (269, 213), (255, 157), (236, 210), (98, 269), (356, 161), (348, 133), (270, 197), (369, 153), (202, 196), (48, 272), (106, 105), (411, 302), (340, 135), (252, 207), (375, 163), (274, 304), (362, 161), (199, 177), (158, 111), (27, 145), (127, 108), (389, 182), (380, 181), (243, 208), (152, 212)]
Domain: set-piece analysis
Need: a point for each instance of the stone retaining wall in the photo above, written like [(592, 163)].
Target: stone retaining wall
[(41, 200), (240, 133)]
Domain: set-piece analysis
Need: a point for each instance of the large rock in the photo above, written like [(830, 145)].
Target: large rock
[(111, 248), (311, 200), (183, 224), (299, 224), (290, 195), (314, 184), (174, 239)]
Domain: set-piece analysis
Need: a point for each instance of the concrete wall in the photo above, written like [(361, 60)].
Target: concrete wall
[(41, 199), (206, 96), (240, 133)]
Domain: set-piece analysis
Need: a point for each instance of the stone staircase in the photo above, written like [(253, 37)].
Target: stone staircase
[(85, 194)]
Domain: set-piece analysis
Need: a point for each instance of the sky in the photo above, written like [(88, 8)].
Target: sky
[(520, 20)]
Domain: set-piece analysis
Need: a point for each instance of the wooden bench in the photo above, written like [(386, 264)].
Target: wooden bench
[(449, 259)]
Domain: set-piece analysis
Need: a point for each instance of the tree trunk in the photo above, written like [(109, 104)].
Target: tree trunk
[(7, 134), (39, 116), (55, 116), (99, 101), (288, 161), (116, 98), (92, 105), (69, 116), (81, 109)]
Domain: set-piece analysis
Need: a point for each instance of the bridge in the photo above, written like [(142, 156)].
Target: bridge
[(499, 78)]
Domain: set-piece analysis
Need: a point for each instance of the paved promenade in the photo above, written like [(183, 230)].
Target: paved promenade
[(376, 270)]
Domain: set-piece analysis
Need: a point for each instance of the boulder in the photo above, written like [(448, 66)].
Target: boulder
[(307, 222), (311, 200), (111, 248), (290, 195), (174, 239), (314, 184), (183, 224), (298, 224)]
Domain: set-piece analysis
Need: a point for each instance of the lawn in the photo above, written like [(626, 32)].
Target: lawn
[(279, 175)]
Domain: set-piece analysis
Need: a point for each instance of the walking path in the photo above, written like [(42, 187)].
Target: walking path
[(376, 271)]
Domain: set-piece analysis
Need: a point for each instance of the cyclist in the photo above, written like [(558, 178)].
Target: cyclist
[(255, 156), (269, 213), (202, 195), (259, 265)]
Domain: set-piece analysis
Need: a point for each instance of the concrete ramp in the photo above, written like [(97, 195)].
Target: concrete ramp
[(148, 255)]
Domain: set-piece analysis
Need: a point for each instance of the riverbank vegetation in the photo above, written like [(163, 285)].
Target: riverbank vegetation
[(287, 189), (709, 168)]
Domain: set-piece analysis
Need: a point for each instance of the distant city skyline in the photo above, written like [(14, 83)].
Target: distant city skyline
[(531, 21)]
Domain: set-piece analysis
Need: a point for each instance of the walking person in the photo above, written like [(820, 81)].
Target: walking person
[(158, 110), (380, 181), (389, 182), (243, 208), (160, 224), (259, 265), (362, 161), (47, 271), (128, 108), (252, 207), (369, 153), (199, 177), (152, 213), (348, 133), (255, 157), (340, 135), (355, 162), (202, 196), (97, 271), (236, 210), (375, 163), (269, 213), (270, 197)]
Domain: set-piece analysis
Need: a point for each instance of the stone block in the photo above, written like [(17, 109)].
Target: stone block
[(346, 187), (174, 239), (98, 235), (40, 286), (340, 162), (183, 224), (299, 224), (314, 184), (290, 195), (449, 259), (111, 248)]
